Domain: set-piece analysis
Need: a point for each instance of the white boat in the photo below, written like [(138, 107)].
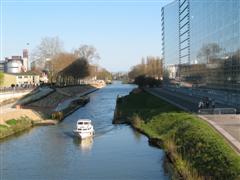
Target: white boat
[(84, 128)]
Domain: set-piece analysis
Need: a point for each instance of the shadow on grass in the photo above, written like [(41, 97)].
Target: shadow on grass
[(145, 105)]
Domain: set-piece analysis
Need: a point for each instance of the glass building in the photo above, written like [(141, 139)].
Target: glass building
[(203, 38)]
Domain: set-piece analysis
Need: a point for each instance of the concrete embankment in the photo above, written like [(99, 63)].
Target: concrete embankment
[(196, 150), (42, 108)]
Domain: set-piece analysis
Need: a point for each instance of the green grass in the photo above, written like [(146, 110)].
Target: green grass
[(195, 145), (14, 126), (11, 122), (3, 127)]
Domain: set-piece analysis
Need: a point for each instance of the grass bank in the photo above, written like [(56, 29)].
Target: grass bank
[(196, 149), (14, 126)]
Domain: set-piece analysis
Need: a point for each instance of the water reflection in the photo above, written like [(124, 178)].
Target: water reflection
[(84, 144)]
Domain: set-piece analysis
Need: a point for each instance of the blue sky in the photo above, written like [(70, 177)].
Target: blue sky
[(122, 31)]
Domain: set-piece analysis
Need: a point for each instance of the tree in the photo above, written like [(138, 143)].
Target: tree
[(152, 68), (58, 63), (136, 71), (46, 50), (88, 52), (77, 70), (208, 52), (103, 74), (1, 78), (143, 81)]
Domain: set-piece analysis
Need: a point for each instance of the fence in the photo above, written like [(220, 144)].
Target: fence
[(218, 111), (222, 97)]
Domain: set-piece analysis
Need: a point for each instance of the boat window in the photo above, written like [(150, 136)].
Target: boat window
[(86, 123), (80, 123)]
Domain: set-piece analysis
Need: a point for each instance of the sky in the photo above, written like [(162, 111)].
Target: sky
[(122, 31)]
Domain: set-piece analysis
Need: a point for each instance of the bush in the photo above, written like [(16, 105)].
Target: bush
[(57, 115), (143, 81)]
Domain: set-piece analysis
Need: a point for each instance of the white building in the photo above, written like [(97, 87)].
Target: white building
[(13, 64)]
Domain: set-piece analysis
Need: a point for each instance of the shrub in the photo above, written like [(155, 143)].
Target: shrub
[(57, 115), (143, 81)]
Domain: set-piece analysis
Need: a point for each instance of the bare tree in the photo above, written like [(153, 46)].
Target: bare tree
[(103, 74), (208, 52), (88, 52), (152, 68), (46, 50)]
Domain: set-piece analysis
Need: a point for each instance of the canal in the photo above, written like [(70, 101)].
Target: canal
[(53, 152)]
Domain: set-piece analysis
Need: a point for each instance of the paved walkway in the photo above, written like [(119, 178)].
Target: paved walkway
[(7, 108), (227, 125), (10, 95)]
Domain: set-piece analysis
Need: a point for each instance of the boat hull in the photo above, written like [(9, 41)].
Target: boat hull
[(84, 135)]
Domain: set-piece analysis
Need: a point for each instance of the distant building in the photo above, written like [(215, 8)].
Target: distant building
[(13, 64), (25, 60), (20, 79)]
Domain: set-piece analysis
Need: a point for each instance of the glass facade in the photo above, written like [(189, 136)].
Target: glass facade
[(209, 43), (170, 33)]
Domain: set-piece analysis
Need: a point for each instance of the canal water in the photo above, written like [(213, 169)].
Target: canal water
[(53, 152)]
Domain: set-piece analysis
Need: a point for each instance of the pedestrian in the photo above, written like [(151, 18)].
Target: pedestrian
[(213, 103), (207, 102), (200, 104)]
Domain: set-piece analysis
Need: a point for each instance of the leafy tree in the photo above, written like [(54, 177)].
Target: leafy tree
[(58, 63), (143, 81), (77, 70)]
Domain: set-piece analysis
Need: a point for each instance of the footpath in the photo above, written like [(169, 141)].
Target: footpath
[(227, 125)]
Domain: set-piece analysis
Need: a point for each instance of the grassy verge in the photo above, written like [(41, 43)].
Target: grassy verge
[(14, 126), (195, 148)]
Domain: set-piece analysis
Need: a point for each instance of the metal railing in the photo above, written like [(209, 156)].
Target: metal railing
[(218, 111)]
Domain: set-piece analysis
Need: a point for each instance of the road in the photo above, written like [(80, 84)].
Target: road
[(187, 101)]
